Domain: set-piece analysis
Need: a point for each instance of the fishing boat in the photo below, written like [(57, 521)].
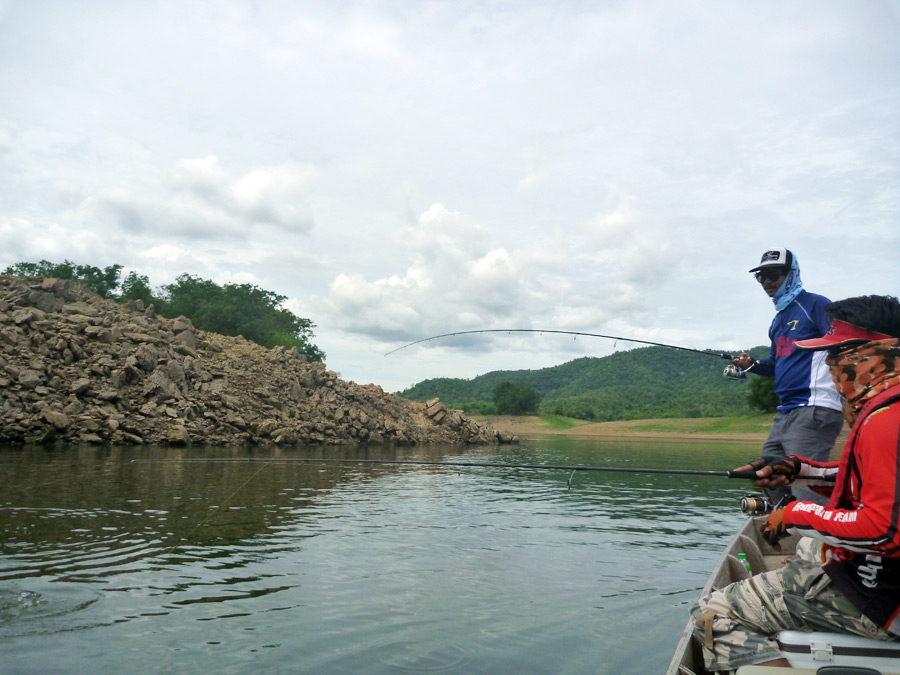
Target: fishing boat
[(808, 653)]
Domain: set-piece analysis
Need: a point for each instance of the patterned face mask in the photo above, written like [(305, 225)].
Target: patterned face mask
[(790, 289), (861, 372)]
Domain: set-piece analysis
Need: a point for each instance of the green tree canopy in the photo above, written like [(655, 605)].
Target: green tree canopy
[(103, 282), (137, 287), (761, 394), (240, 309), (232, 309), (515, 398)]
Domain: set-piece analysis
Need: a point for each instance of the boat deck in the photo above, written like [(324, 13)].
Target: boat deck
[(803, 648), (688, 658)]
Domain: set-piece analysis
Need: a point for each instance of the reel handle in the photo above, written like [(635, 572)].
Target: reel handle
[(742, 474)]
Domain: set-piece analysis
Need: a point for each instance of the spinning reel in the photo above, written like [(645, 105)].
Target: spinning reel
[(756, 506), (733, 372)]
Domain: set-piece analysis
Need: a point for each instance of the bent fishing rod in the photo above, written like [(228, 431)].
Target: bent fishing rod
[(562, 332), (411, 462)]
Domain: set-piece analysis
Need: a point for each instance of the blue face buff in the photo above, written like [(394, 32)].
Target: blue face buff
[(790, 289)]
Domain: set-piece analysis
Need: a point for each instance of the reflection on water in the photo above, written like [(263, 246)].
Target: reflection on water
[(378, 568)]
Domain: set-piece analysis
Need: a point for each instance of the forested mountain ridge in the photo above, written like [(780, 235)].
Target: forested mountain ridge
[(646, 382)]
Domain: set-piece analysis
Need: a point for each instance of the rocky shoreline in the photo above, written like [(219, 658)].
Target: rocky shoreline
[(77, 368)]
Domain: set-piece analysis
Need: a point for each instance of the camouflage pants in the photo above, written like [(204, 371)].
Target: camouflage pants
[(749, 613)]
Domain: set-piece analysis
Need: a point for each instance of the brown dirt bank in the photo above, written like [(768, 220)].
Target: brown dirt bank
[(525, 427), (535, 426)]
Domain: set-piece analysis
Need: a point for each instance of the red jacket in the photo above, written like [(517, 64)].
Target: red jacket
[(862, 520)]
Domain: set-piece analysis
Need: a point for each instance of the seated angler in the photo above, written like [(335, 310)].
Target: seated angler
[(854, 585)]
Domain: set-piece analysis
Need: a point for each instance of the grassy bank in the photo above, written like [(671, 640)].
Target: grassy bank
[(751, 428)]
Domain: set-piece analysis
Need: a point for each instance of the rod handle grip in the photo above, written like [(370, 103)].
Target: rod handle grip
[(743, 474)]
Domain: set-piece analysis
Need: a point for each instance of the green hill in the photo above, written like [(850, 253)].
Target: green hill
[(649, 382)]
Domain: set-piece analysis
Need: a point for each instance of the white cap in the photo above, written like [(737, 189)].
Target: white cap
[(775, 257)]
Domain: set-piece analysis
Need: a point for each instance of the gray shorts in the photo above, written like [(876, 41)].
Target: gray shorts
[(810, 432), (750, 613)]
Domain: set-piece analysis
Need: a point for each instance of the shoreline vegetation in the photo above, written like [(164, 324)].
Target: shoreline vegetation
[(624, 385), (750, 429)]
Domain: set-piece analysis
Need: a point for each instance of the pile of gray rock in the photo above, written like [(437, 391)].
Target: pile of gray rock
[(77, 368)]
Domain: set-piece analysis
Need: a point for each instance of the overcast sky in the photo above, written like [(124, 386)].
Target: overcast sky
[(401, 169)]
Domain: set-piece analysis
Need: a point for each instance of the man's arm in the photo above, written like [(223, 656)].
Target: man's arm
[(766, 367), (819, 315)]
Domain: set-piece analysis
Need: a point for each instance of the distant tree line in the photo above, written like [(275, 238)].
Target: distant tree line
[(512, 398), (642, 383), (761, 394), (232, 309)]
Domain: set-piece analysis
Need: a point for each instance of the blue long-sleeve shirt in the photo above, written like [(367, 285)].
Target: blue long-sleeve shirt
[(802, 378)]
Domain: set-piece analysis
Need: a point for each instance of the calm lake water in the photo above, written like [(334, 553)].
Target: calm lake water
[(112, 563)]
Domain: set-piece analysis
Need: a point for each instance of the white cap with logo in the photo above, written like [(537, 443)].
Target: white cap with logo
[(775, 257)]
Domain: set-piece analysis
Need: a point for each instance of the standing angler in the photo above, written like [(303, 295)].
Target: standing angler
[(809, 416)]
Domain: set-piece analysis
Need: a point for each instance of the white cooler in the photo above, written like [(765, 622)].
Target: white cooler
[(814, 650)]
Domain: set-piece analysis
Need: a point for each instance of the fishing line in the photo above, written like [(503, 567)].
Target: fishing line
[(562, 332), (491, 465), (209, 516)]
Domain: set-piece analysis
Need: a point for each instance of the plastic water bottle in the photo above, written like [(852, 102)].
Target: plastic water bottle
[(743, 558)]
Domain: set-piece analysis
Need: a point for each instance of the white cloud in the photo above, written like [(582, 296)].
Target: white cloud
[(204, 201), (457, 279), (172, 255), (203, 177), (26, 241)]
